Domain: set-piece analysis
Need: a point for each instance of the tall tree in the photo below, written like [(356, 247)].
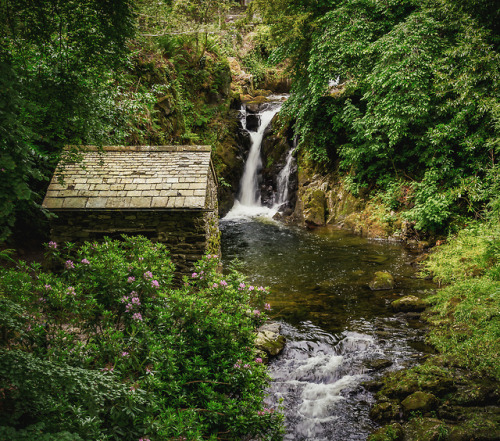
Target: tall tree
[(56, 59)]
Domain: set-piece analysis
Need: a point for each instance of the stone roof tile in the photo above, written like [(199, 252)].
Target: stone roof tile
[(138, 177)]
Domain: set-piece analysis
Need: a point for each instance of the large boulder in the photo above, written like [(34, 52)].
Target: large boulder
[(419, 402), (314, 203)]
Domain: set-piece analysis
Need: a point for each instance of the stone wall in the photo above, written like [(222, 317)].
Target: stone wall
[(186, 233)]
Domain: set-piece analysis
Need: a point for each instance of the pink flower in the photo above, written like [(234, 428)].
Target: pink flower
[(125, 354), (258, 360), (148, 275), (135, 301), (251, 288), (246, 366), (71, 291), (215, 285), (194, 275), (141, 259), (261, 288), (69, 264), (237, 366), (48, 287), (137, 316), (124, 299), (149, 371), (85, 262), (131, 279), (155, 284), (223, 283), (242, 285), (267, 307), (256, 312), (52, 245)]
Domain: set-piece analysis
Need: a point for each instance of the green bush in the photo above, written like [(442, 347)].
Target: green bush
[(105, 348), (467, 310)]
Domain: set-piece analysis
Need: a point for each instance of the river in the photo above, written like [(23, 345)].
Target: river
[(339, 333)]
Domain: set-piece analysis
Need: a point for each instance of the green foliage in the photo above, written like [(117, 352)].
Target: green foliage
[(56, 63), (104, 347), (416, 98), (466, 324)]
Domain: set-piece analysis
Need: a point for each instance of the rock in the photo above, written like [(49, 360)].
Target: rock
[(378, 364), (269, 340), (314, 202), (256, 104), (425, 429), (408, 304), (252, 122), (385, 411), (393, 432), (420, 402), (165, 105), (382, 280)]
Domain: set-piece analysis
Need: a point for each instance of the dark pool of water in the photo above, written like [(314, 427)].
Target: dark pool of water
[(336, 327)]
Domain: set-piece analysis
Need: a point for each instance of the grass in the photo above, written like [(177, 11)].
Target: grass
[(466, 311)]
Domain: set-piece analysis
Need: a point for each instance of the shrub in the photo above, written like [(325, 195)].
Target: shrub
[(105, 348)]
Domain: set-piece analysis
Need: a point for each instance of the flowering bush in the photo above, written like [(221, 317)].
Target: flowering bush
[(106, 348)]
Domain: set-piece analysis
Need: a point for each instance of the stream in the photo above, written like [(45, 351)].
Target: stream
[(339, 333)]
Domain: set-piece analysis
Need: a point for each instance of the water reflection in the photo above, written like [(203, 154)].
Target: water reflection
[(336, 327)]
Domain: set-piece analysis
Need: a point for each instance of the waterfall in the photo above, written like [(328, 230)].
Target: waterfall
[(284, 176), (249, 186)]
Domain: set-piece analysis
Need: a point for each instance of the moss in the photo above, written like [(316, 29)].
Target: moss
[(382, 281)]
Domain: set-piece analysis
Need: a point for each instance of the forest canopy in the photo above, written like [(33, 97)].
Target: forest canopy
[(415, 111)]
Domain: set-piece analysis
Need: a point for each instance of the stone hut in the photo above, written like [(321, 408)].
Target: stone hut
[(166, 193)]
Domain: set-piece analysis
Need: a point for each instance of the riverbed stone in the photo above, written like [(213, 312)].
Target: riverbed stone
[(420, 402), (424, 429), (385, 411), (382, 281), (393, 432), (408, 304), (269, 339)]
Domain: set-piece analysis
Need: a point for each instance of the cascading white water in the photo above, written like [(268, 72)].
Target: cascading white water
[(249, 188), (284, 177)]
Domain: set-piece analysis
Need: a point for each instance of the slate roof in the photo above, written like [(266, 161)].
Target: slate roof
[(138, 177)]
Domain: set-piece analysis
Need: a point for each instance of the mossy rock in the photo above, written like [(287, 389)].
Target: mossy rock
[(408, 304), (269, 340), (382, 281), (385, 411), (425, 429), (419, 402), (391, 432), (314, 202), (256, 103)]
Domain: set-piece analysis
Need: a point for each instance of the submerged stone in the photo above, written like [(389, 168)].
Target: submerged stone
[(382, 280), (408, 304)]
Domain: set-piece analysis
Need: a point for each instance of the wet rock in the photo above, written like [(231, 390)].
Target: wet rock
[(373, 386), (378, 364), (393, 432), (420, 402), (385, 411), (256, 104), (252, 122), (382, 281), (269, 339), (408, 304)]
